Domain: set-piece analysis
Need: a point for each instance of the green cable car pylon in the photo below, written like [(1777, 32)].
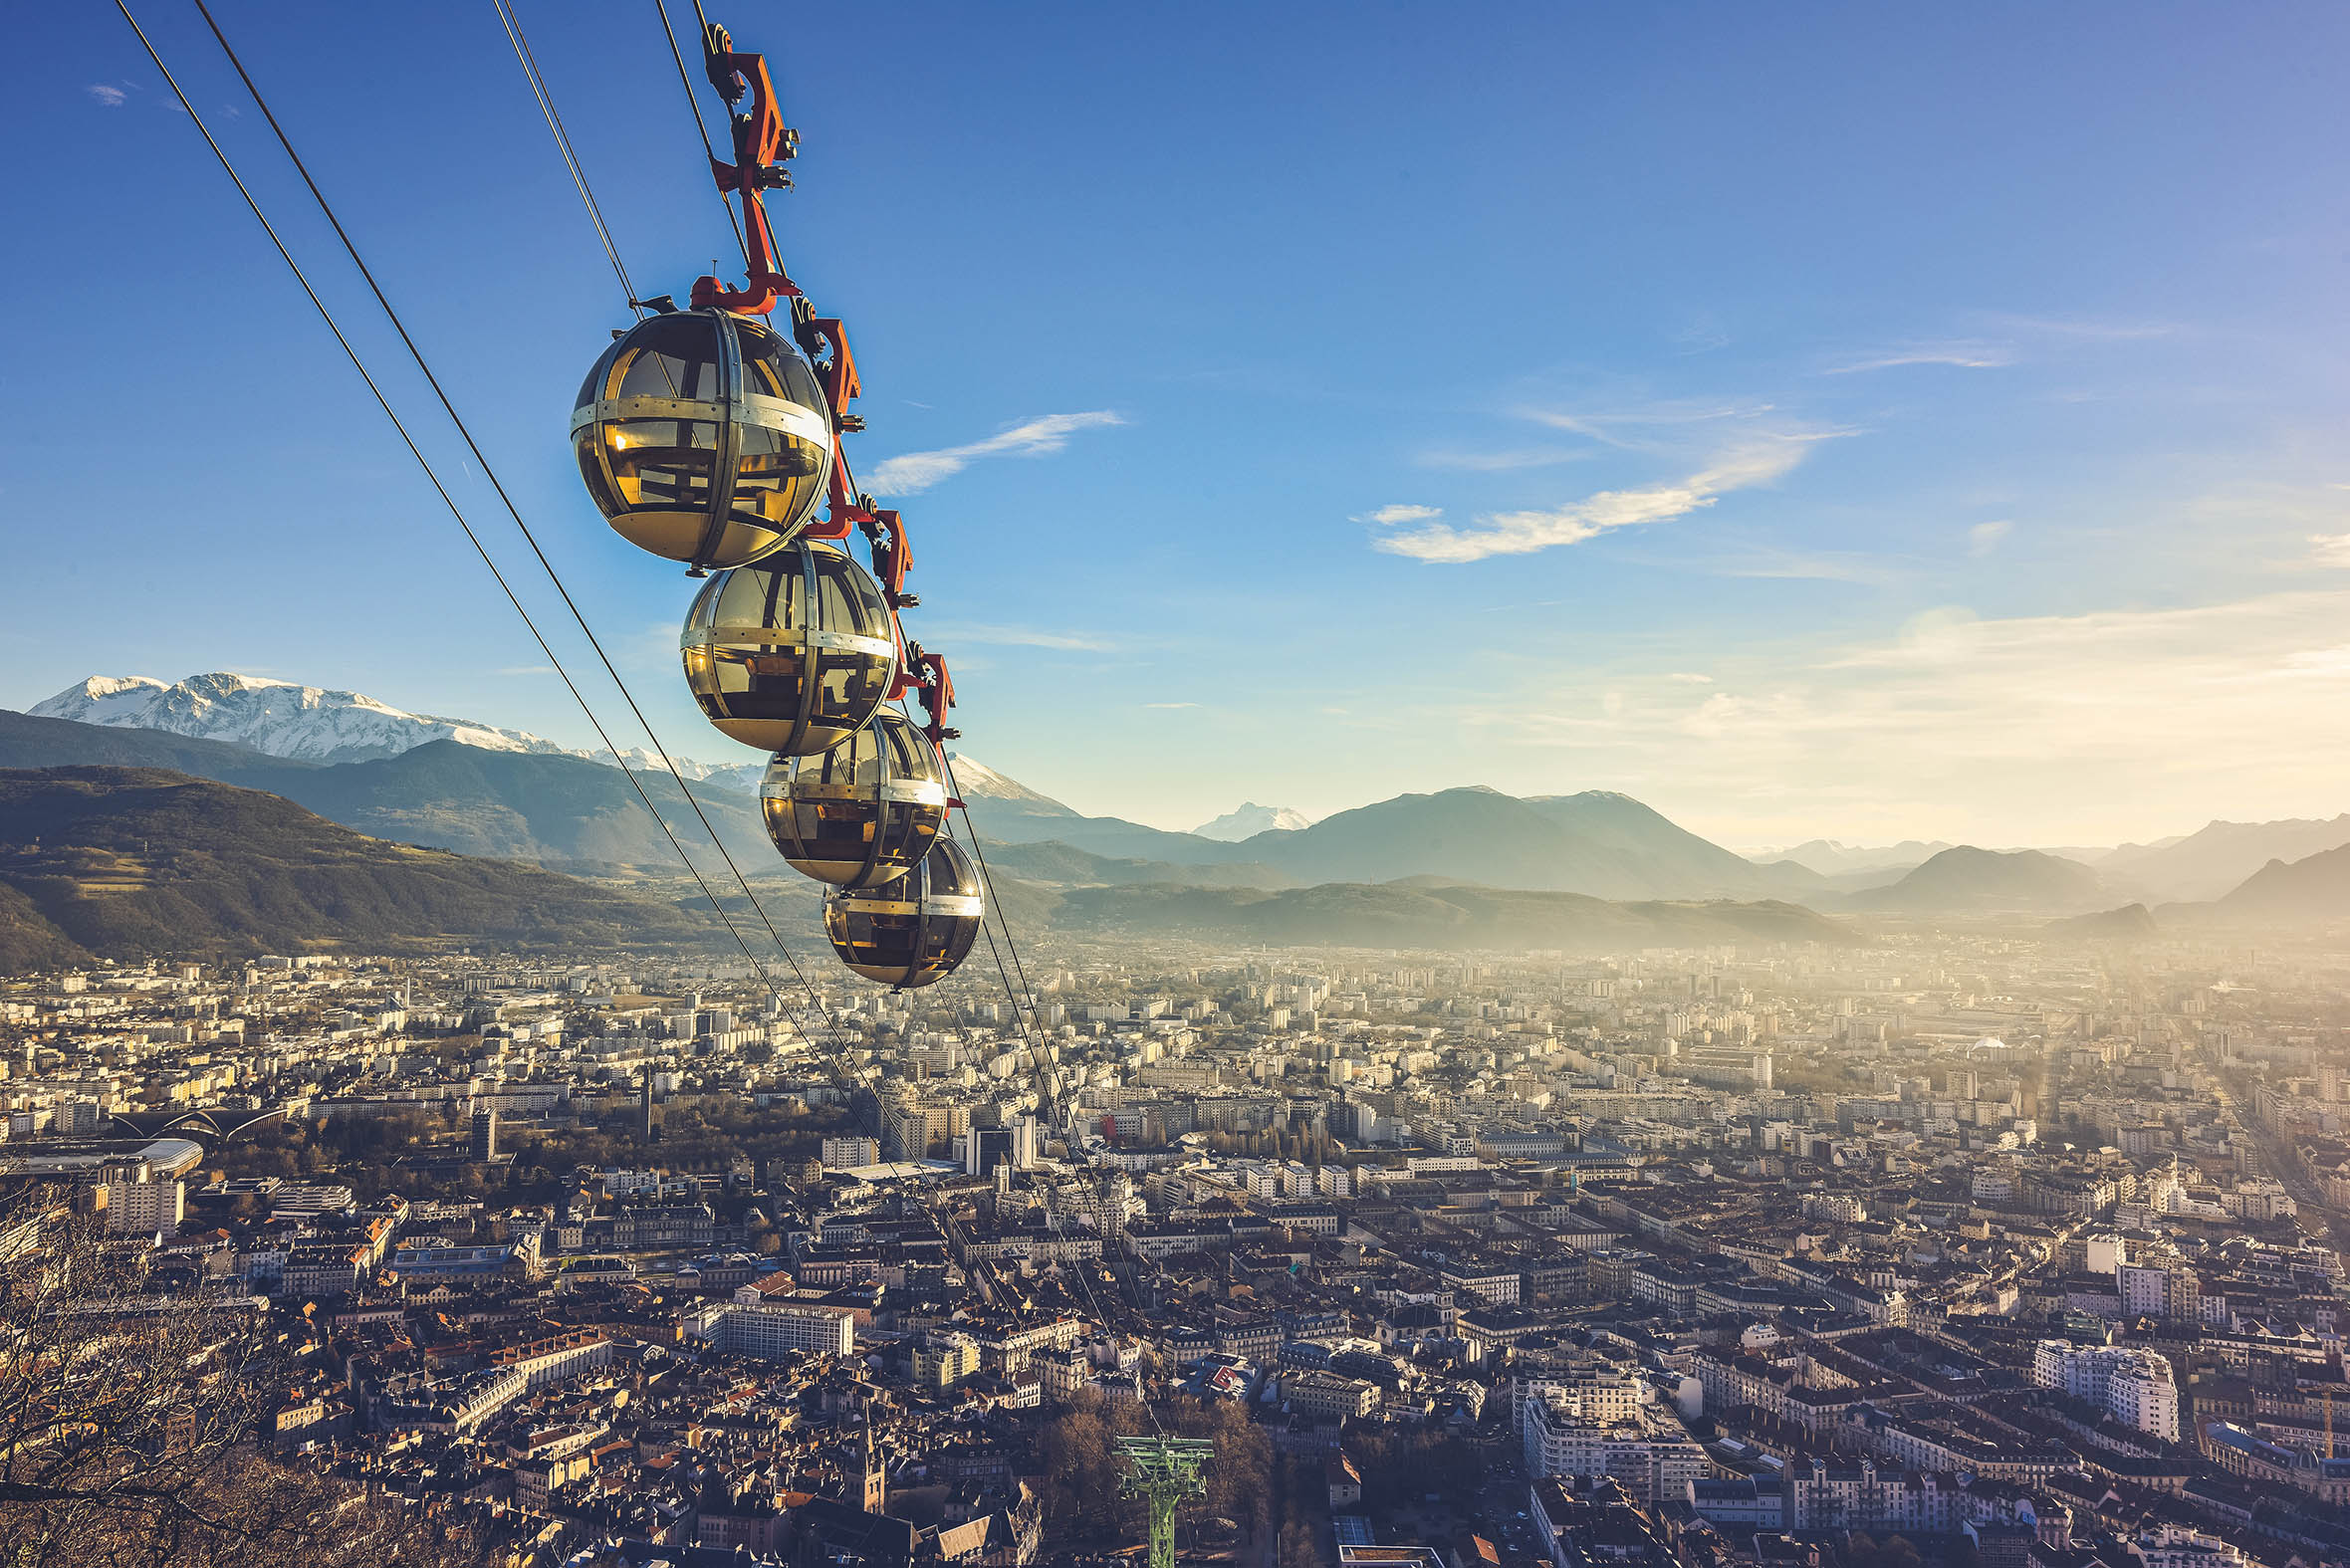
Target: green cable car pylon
[(1166, 1470)]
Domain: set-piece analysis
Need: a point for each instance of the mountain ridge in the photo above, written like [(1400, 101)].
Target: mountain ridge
[(126, 862), (1966, 879)]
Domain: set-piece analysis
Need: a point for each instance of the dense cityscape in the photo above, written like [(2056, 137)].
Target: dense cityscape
[(1685, 896), (1947, 1248)]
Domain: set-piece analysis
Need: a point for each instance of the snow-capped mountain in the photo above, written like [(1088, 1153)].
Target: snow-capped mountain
[(1252, 819), (277, 718), (743, 776), (311, 725), (976, 781)]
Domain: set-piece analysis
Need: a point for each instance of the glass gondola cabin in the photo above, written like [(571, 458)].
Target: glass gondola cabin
[(704, 438), (915, 930), (863, 812), (793, 653)]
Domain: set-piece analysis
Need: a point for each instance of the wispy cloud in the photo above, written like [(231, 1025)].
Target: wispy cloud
[(1388, 517), (1170, 705), (107, 95), (1964, 356), (910, 472), (2078, 329), (2330, 549), (1524, 532), (1017, 637), (1624, 424), (1984, 537), (527, 669)]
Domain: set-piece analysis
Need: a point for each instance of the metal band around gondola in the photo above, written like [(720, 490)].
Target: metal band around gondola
[(929, 904), (773, 414), (776, 413), (785, 637), (894, 791)]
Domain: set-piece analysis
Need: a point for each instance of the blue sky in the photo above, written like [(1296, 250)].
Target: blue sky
[(1843, 420)]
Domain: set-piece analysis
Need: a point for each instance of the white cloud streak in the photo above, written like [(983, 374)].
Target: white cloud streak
[(1984, 537), (910, 472), (1963, 356), (106, 94), (1388, 517), (1524, 532), (1605, 425)]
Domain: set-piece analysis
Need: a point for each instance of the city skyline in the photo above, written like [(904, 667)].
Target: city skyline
[(1979, 478)]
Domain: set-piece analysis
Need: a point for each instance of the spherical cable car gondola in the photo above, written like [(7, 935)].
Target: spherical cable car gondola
[(863, 812), (703, 437), (914, 931), (791, 653)]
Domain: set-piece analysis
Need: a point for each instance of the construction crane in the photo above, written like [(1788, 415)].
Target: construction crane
[(1166, 1472)]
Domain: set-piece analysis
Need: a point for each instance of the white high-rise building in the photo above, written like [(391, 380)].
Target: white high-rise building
[(141, 1205), (848, 1151), (2134, 1383), (769, 1329)]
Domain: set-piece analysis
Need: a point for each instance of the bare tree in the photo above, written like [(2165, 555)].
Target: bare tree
[(130, 1424)]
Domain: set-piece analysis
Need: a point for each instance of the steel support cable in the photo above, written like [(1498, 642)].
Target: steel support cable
[(474, 539), (844, 1068), (1023, 1014), (530, 537), (817, 1006), (693, 107), (847, 1066), (562, 145), (1031, 1030), (988, 881), (1026, 1013)]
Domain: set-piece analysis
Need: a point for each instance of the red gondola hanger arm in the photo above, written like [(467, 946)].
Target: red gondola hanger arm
[(934, 690), (893, 558), (826, 342), (849, 505), (762, 144), (826, 339)]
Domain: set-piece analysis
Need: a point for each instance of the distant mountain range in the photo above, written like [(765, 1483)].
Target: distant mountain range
[(1829, 858), (1249, 820), (126, 862), (485, 791), (549, 808), (134, 862), (2315, 888), (2219, 856), (1966, 880)]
